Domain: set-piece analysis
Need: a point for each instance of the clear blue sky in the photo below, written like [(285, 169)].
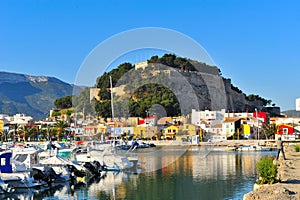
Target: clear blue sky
[(256, 43)]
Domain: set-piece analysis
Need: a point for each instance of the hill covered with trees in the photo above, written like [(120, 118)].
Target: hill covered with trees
[(162, 82)]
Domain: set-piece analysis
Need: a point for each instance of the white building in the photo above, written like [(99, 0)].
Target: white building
[(210, 118), (298, 104), (295, 121), (21, 119), (216, 129), (230, 125), (141, 65), (241, 115)]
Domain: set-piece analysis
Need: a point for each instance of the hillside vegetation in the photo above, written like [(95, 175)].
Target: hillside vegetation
[(144, 88)]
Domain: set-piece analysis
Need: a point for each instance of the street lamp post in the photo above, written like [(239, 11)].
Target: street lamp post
[(257, 124)]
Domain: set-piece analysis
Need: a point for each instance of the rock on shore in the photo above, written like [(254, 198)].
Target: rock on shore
[(289, 176)]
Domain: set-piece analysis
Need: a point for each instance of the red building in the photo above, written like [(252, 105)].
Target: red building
[(150, 121), (285, 131), (261, 115)]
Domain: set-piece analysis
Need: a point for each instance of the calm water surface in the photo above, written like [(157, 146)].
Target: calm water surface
[(200, 173)]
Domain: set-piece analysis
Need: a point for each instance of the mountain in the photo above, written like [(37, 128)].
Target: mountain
[(195, 85), (31, 95), (291, 113)]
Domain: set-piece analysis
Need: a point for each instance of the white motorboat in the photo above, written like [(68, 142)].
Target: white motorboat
[(253, 148), (27, 159), (108, 159), (17, 175), (231, 148)]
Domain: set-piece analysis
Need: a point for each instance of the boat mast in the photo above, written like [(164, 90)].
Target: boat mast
[(111, 100), (112, 109)]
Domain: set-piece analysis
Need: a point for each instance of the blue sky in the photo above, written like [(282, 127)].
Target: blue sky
[(255, 43)]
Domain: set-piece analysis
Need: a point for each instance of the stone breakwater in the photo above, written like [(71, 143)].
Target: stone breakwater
[(289, 176)]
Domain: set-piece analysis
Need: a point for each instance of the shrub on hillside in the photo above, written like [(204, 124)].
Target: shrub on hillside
[(297, 147), (267, 171)]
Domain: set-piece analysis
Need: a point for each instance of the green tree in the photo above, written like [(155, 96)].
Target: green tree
[(270, 131), (34, 133), (60, 128), (24, 131), (103, 108), (104, 94), (15, 128), (69, 112), (4, 135), (64, 102), (150, 94), (46, 131)]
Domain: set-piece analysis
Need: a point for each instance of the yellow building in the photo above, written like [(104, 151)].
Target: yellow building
[(1, 126), (101, 128), (145, 131), (171, 131), (189, 129), (139, 131), (246, 130)]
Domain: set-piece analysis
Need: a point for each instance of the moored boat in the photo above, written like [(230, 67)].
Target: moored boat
[(231, 148), (17, 177), (253, 148)]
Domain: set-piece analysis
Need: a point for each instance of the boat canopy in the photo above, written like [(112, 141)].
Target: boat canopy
[(5, 164)]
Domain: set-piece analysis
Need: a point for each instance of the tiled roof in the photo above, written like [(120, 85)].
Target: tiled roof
[(231, 119)]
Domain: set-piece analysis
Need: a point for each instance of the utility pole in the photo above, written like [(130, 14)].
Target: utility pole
[(257, 124)]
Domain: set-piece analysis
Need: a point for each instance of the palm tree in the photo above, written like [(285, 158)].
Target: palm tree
[(4, 135), (60, 127), (15, 128), (270, 131), (34, 132), (25, 130), (46, 131)]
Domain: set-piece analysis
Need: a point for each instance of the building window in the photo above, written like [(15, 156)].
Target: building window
[(2, 161)]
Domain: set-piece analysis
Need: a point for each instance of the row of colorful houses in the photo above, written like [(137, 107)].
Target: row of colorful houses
[(231, 126), (169, 131), (206, 124)]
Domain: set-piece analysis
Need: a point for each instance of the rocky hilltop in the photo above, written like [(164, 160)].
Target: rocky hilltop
[(175, 84), (31, 95), (201, 89)]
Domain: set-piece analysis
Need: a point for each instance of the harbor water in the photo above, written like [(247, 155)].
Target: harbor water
[(195, 173)]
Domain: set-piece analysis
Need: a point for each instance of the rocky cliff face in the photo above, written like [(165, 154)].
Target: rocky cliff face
[(215, 93), (31, 95), (200, 90)]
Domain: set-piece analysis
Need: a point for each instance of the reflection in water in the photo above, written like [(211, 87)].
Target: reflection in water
[(201, 173)]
